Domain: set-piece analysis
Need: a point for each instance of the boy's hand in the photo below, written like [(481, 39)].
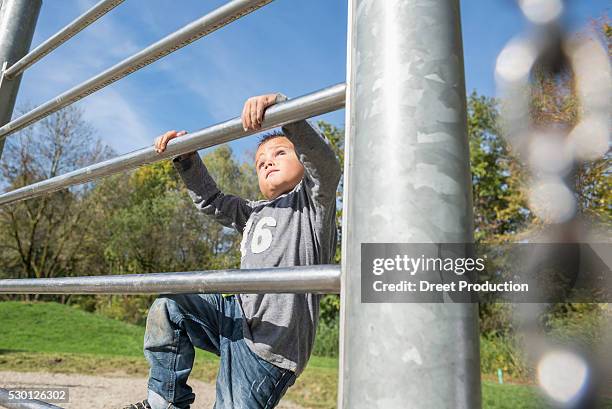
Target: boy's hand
[(162, 141), (253, 111)]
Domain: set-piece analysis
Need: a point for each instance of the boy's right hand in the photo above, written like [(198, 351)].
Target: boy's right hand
[(162, 141)]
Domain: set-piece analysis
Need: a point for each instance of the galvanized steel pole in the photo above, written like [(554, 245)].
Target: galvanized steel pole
[(17, 23), (317, 103), (407, 181), (213, 21), (321, 279), (69, 31)]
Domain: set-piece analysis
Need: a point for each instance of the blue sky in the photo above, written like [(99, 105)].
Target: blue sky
[(290, 46)]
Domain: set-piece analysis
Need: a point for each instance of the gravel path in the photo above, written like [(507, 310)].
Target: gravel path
[(106, 392)]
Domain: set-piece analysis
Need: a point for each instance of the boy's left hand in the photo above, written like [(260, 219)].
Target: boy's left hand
[(253, 111)]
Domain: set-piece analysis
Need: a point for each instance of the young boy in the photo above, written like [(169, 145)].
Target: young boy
[(264, 340)]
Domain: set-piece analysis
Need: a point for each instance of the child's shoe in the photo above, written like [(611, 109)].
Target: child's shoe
[(139, 405)]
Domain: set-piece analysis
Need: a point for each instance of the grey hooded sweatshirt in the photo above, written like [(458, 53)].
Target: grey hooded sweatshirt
[(295, 229)]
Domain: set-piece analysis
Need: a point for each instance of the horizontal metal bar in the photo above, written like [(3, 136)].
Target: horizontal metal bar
[(7, 402), (190, 33), (322, 279), (317, 103), (61, 36)]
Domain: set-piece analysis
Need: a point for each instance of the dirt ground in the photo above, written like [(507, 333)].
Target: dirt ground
[(106, 392)]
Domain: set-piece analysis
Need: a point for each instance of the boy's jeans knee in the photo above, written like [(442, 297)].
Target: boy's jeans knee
[(248, 381), (177, 323)]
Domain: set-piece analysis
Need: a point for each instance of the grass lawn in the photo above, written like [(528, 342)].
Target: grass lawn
[(57, 338)]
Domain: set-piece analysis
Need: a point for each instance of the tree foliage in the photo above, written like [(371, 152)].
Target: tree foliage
[(45, 237), (554, 105), (498, 190)]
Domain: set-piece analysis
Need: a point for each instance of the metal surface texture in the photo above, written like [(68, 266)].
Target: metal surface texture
[(6, 402), (323, 279), (188, 34), (317, 103), (17, 22), (62, 36), (407, 180)]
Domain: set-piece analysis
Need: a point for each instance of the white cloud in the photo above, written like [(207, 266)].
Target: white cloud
[(113, 111), (118, 121), (106, 39), (215, 77)]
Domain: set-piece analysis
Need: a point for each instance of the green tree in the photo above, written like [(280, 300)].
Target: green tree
[(498, 189), (593, 179), (147, 223), (44, 237), (335, 136), (330, 303), (554, 103)]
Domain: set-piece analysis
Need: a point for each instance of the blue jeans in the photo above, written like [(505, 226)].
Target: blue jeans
[(176, 323)]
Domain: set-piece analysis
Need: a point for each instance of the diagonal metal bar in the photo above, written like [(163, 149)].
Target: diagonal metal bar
[(190, 33), (322, 279), (7, 402), (317, 103), (69, 31)]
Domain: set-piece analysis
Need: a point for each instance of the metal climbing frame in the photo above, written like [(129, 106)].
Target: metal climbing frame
[(317, 103), (78, 24), (391, 354), (321, 279), (180, 38), (17, 22), (407, 180)]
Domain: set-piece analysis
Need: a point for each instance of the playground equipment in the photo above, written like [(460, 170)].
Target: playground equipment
[(405, 91), (395, 132)]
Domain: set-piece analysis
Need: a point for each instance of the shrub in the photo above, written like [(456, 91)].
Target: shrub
[(503, 353), (327, 342)]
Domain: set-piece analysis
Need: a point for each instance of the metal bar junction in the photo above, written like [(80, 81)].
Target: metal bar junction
[(66, 33)]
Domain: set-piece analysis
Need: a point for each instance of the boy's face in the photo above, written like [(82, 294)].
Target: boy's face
[(278, 168)]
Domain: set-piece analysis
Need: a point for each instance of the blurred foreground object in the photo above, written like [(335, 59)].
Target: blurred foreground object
[(556, 90)]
